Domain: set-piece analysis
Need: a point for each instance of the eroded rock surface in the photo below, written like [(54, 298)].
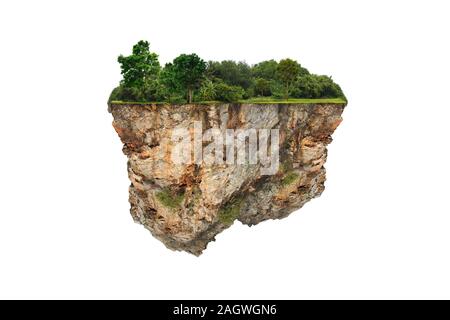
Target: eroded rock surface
[(186, 205)]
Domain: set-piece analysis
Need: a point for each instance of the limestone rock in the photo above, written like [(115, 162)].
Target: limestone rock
[(185, 205)]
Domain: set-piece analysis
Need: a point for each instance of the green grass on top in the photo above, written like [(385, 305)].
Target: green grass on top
[(271, 100), (264, 100), (137, 102)]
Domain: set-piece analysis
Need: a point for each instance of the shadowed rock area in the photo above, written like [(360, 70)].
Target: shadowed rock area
[(185, 205)]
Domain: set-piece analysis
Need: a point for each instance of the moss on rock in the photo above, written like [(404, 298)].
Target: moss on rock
[(289, 178), (230, 211), (168, 199)]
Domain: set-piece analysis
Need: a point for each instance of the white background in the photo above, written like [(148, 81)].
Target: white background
[(380, 229)]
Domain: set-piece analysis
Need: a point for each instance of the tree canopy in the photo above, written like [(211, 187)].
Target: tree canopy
[(139, 67), (188, 78), (188, 71), (288, 71)]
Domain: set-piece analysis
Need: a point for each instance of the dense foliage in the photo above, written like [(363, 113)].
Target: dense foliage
[(189, 78)]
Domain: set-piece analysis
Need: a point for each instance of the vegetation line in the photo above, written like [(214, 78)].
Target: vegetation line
[(248, 101), (189, 79)]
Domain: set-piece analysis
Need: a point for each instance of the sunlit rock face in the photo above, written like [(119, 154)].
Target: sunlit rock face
[(185, 204)]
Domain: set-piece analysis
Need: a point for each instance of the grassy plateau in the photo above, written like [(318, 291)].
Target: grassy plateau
[(251, 101)]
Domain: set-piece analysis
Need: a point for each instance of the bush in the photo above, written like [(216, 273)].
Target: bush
[(228, 93), (207, 91), (153, 91), (314, 86), (114, 96), (122, 93), (329, 89)]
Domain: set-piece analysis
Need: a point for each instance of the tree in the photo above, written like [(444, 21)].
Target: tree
[(188, 72), (287, 71), (329, 89), (173, 88), (262, 87), (266, 70), (315, 86), (145, 80), (245, 79), (140, 70), (307, 87), (231, 72)]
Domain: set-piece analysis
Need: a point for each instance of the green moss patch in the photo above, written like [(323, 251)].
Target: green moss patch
[(289, 178), (230, 211), (168, 199)]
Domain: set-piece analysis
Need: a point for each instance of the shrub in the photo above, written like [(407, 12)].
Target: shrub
[(153, 91), (114, 95), (123, 93), (228, 93), (314, 86), (207, 91), (329, 89)]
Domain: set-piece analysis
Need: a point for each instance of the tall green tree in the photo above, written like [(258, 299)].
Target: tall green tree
[(287, 72), (265, 70), (188, 71), (262, 87), (141, 68), (231, 72)]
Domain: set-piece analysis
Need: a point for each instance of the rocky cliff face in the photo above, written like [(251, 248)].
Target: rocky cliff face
[(185, 205)]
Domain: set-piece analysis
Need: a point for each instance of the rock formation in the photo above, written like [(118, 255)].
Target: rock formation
[(185, 205)]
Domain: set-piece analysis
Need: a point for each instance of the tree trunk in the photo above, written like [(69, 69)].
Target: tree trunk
[(286, 92), (190, 94)]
